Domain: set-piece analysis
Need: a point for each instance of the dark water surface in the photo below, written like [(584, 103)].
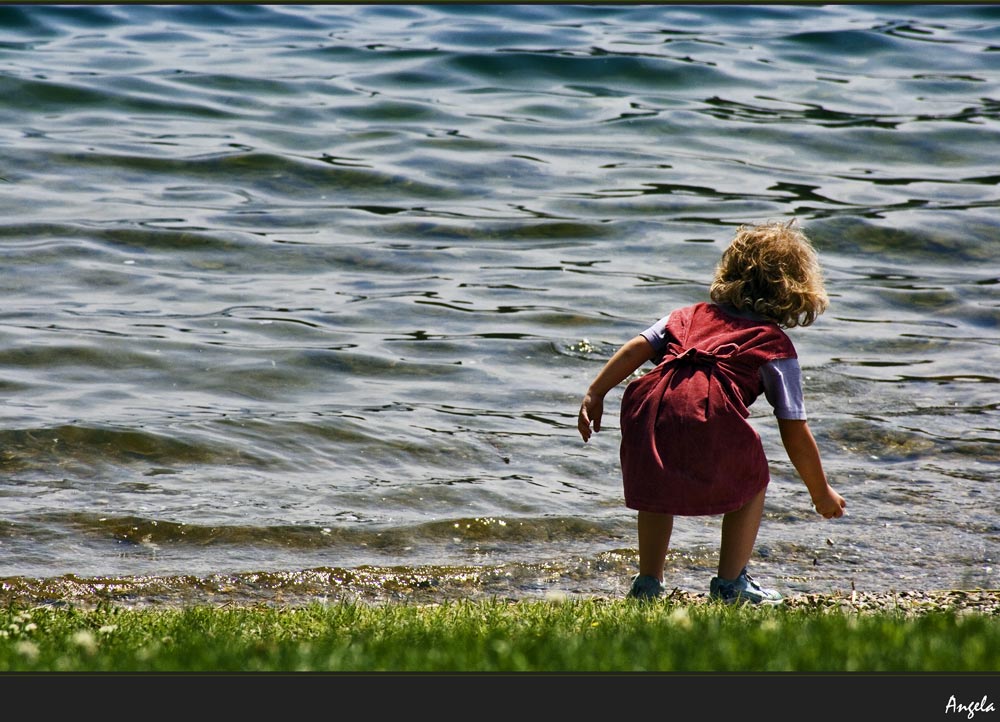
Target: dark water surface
[(302, 300)]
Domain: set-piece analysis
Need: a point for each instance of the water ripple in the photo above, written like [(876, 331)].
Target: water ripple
[(296, 291)]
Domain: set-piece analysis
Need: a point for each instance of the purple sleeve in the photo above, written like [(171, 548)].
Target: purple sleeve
[(783, 388), (656, 335)]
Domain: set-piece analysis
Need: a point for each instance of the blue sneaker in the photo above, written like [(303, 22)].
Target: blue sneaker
[(741, 590), (645, 588)]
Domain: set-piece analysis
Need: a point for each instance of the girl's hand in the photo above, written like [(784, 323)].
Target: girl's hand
[(829, 503), (591, 411)]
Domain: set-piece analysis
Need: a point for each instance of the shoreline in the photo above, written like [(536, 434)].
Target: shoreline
[(372, 585)]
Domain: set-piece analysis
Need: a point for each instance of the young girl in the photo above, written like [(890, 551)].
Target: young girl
[(686, 447)]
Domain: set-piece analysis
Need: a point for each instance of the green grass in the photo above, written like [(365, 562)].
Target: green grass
[(495, 636)]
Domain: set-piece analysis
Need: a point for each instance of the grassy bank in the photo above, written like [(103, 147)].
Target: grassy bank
[(496, 636)]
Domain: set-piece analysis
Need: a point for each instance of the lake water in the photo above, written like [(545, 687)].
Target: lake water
[(299, 302)]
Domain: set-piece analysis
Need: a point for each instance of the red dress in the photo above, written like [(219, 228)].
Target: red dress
[(687, 447)]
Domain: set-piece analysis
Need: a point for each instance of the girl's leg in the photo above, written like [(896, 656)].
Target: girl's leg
[(654, 540), (739, 532)]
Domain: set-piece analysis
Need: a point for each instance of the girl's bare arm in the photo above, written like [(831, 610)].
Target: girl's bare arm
[(626, 360), (804, 455)]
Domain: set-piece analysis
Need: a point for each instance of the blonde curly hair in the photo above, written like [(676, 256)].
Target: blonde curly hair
[(771, 269)]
